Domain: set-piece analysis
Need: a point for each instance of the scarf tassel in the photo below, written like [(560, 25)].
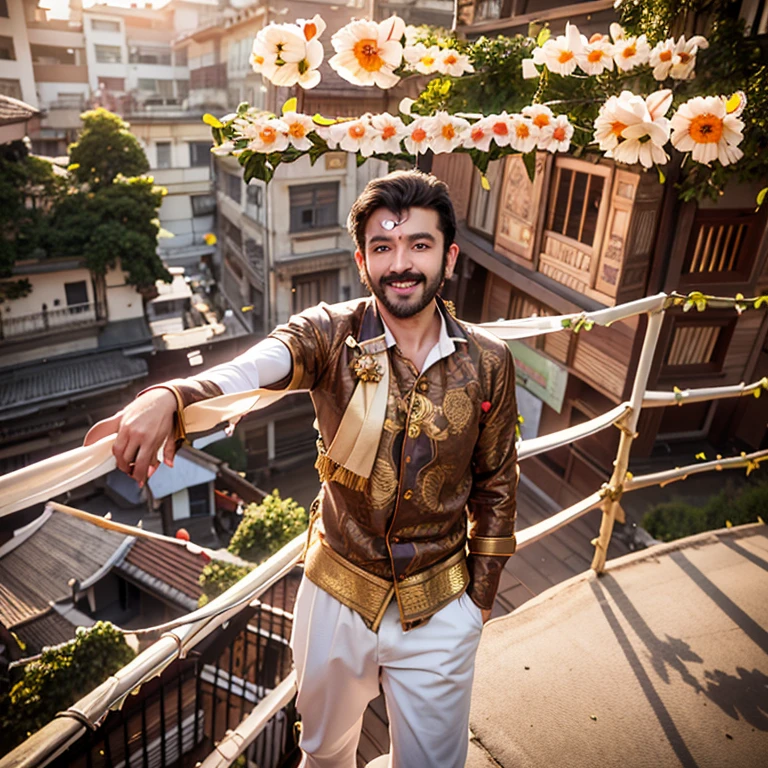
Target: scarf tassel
[(330, 471)]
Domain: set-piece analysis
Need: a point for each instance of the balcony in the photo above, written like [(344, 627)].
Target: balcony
[(39, 323), (60, 73), (484, 16), (213, 76)]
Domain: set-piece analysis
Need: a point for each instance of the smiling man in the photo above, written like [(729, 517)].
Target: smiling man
[(415, 519)]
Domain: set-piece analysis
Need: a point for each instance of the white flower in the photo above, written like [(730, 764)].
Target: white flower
[(311, 28), (703, 127), (412, 34), (684, 58), (367, 53), (451, 62), (661, 58), (389, 131), (556, 136), (421, 58), (282, 42), (304, 72), (354, 135), (596, 56), (617, 32), (539, 115), (529, 69), (262, 60), (559, 54), (630, 52), (479, 135), (298, 127), (405, 105), (446, 132), (525, 135), (417, 135), (632, 129), (287, 54), (225, 148), (501, 129), (269, 136)]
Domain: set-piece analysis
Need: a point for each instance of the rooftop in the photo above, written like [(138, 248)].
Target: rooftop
[(664, 655), (15, 111), (36, 565)]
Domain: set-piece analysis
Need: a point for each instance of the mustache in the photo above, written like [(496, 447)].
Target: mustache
[(402, 278)]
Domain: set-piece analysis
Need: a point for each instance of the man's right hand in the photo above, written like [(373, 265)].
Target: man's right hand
[(142, 427)]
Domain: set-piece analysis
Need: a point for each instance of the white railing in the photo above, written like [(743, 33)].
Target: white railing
[(21, 489)]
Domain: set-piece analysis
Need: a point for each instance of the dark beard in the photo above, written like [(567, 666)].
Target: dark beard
[(405, 307)]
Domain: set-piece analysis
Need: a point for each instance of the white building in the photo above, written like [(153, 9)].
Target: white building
[(16, 72)]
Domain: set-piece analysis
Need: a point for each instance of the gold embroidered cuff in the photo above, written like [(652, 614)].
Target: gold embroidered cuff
[(499, 546), (181, 431)]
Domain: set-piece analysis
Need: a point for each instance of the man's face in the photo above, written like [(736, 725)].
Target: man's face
[(405, 261)]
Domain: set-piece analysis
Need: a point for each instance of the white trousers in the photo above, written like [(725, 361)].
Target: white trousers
[(426, 674)]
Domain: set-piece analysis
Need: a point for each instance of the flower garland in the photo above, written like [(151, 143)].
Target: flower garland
[(629, 128)]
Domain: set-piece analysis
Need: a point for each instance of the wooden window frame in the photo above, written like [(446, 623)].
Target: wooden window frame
[(727, 324), (296, 226), (496, 180), (591, 169)]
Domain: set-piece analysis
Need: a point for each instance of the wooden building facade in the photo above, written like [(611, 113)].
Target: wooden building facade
[(585, 235)]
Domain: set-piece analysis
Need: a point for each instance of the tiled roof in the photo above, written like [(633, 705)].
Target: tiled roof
[(71, 375), (15, 111), (49, 628), (170, 570), (37, 570)]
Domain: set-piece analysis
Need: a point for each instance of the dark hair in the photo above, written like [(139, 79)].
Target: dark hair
[(397, 192)]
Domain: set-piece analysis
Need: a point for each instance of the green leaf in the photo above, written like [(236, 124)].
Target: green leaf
[(290, 105), (761, 196), (543, 36), (530, 164), (242, 107), (360, 159), (213, 121), (662, 177), (484, 183), (318, 119)]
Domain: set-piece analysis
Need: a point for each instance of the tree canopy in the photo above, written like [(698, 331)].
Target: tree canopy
[(101, 208)]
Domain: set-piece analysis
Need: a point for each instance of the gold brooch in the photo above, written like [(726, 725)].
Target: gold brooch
[(367, 369)]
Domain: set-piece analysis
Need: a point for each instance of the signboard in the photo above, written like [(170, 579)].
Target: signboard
[(539, 375), (529, 407)]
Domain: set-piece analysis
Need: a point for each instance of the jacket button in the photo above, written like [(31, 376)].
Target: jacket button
[(395, 539), (423, 386), (408, 494), (407, 459)]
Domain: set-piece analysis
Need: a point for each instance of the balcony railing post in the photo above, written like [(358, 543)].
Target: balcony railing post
[(628, 424)]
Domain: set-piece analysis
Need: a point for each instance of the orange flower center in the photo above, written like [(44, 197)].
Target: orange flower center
[(629, 51), (617, 128), (559, 133), (388, 132), (477, 133), (541, 120), (419, 134), (258, 59), (665, 56), (685, 57), (297, 130), (450, 59), (448, 131), (523, 132), (310, 30), (565, 56), (268, 134), (594, 56), (706, 129), (427, 61), (500, 129), (367, 55), (356, 131)]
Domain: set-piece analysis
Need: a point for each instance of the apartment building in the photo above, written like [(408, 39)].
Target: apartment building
[(586, 235), (17, 77)]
